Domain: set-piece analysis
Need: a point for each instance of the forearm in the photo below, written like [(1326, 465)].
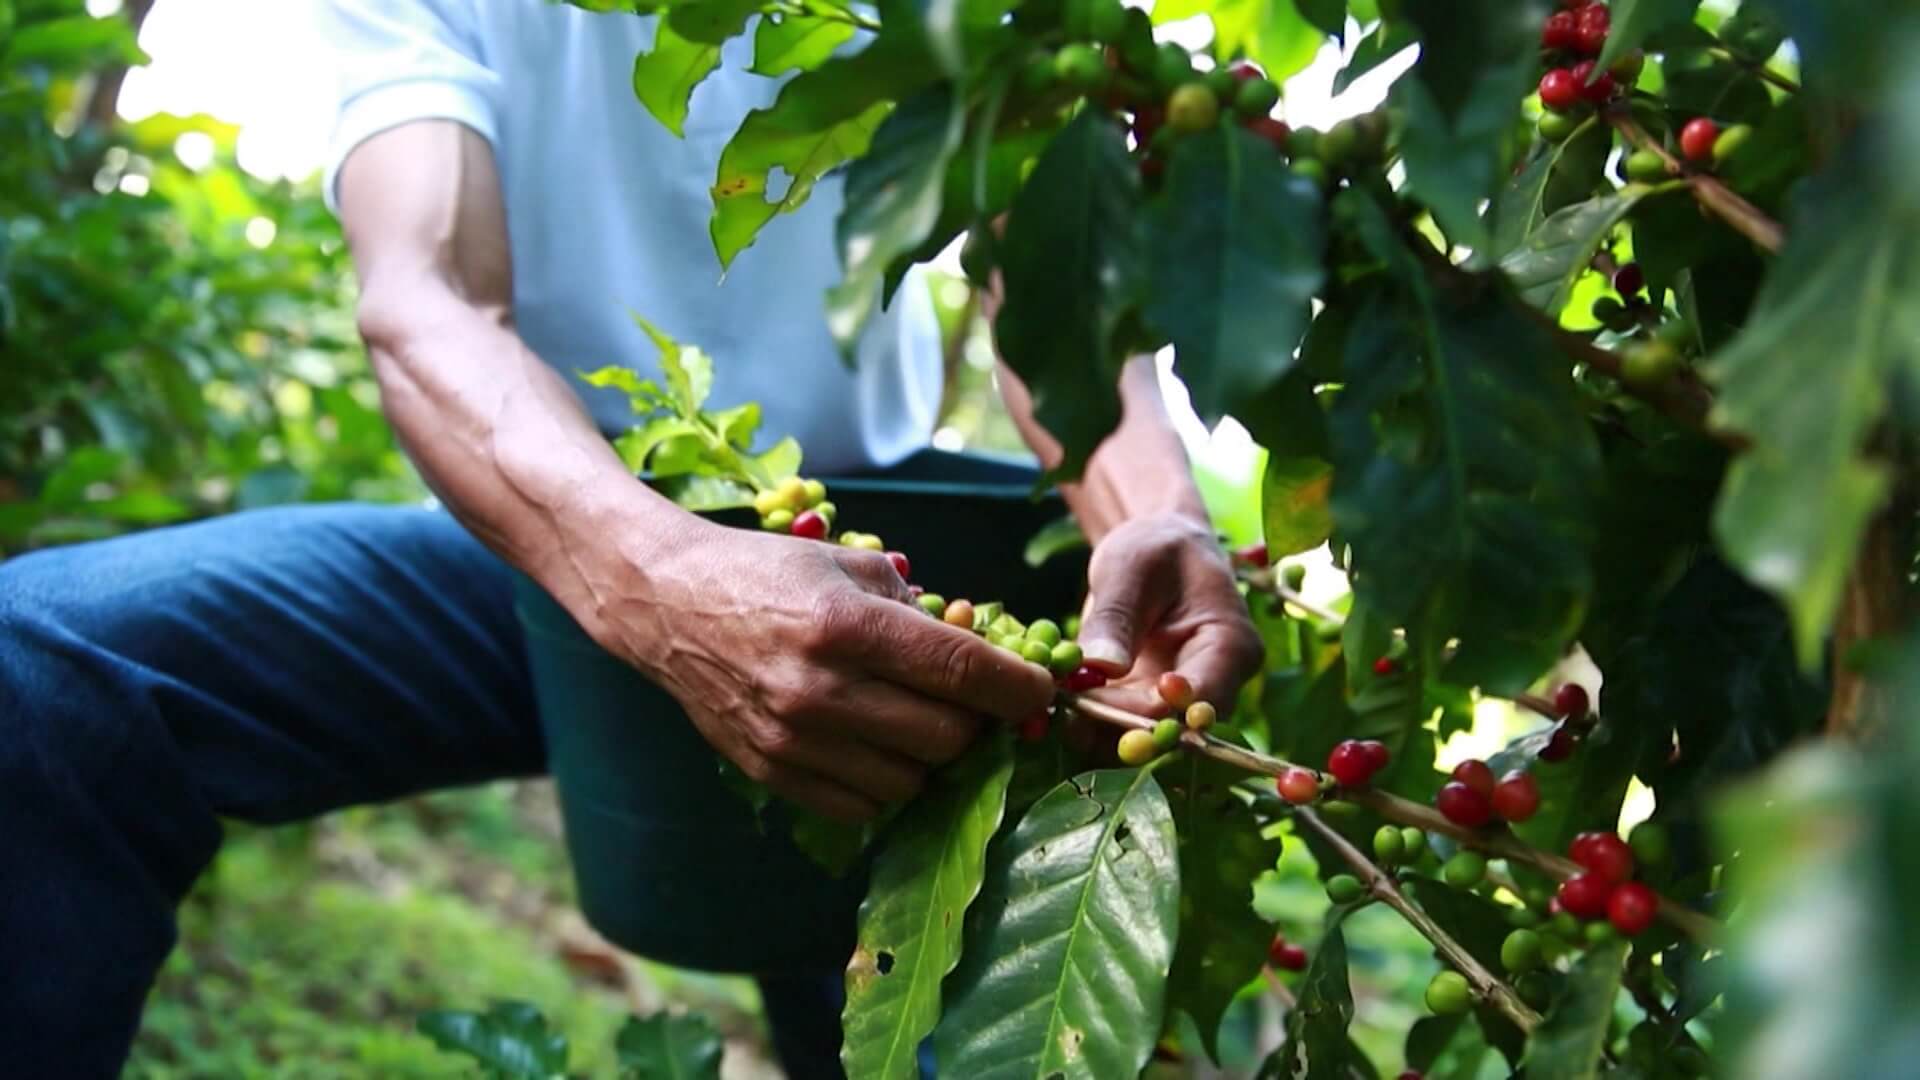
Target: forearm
[(1139, 470)]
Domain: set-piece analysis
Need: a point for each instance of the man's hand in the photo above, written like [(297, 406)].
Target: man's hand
[(807, 666), (1161, 597)]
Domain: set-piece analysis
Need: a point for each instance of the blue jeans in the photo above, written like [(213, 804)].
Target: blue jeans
[(265, 667)]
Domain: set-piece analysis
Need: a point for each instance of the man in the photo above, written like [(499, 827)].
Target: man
[(507, 204)]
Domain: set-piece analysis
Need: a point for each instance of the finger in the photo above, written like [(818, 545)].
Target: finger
[(905, 722), (874, 573), (1217, 660), (880, 775), (1123, 601), (906, 648), (819, 794)]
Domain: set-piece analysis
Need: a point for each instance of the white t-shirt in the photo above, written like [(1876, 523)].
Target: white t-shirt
[(607, 212)]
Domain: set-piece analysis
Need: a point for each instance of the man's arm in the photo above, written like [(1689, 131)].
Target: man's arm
[(802, 662)]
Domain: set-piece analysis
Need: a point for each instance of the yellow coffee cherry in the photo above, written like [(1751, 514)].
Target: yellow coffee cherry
[(793, 493), (1137, 747), (1201, 715), (816, 492)]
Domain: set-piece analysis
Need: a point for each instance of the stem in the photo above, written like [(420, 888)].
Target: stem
[(1497, 842), (1267, 581), (1486, 985), (1720, 200), (1877, 604), (1760, 70)]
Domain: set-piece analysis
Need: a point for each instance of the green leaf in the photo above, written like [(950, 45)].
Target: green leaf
[(780, 461), (1222, 940), (710, 22), (643, 395), (1235, 244), (796, 42), (1808, 380), (1571, 1043), (1293, 500), (1272, 32), (834, 846), (1055, 537), (1071, 265), (666, 1047), (892, 202), (636, 445), (1085, 892), (1555, 176), (822, 119), (510, 1038), (1555, 256), (1328, 16), (1317, 1046), (689, 371), (75, 41), (704, 494), (1636, 20), (664, 76), (925, 877), (1381, 44)]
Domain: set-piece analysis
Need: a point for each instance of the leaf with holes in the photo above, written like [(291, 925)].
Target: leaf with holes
[(1317, 1043), (664, 76), (1571, 1044), (1562, 248), (666, 1047), (924, 878), (797, 43), (1067, 958)]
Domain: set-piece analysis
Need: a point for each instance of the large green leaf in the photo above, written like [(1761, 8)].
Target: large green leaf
[(1571, 1043), (1317, 1046), (1636, 20), (1293, 502), (893, 200), (1222, 939), (1066, 965), (1465, 475), (1272, 32), (796, 42), (664, 76), (926, 875), (1555, 255), (1072, 268), (668, 1047), (511, 1039), (1809, 379), (1235, 243)]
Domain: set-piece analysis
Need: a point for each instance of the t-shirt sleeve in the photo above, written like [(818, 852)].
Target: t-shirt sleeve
[(397, 61)]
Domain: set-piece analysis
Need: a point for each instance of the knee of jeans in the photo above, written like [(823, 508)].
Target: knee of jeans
[(57, 710)]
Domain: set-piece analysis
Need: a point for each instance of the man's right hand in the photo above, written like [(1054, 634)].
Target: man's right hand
[(806, 664)]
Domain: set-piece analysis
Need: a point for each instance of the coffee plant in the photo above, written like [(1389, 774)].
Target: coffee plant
[(1592, 350)]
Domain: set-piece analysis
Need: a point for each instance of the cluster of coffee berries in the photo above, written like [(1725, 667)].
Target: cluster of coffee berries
[(1189, 713), (1572, 706), (1354, 761), (1472, 797), (1604, 887), (1285, 955), (1572, 39), (796, 506)]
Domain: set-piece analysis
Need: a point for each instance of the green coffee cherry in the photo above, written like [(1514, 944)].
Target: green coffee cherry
[(1303, 143), (1038, 74), (1076, 19), (1558, 127), (1730, 142), (1524, 918), (1413, 841), (1222, 84), (1166, 733), (1650, 843), (1044, 631), (1646, 167), (1071, 627), (1172, 68), (1256, 97), (1080, 68), (1388, 846), (1337, 146), (1564, 925), (1191, 108), (1105, 20), (778, 521), (1600, 932), (827, 510), (1465, 870), (1448, 994), (933, 604), (1064, 658), (1520, 951), (1648, 365), (1344, 889), (1035, 653), (1137, 49)]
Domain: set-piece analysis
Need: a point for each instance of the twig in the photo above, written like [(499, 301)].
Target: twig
[(1760, 69), (1719, 199), (1268, 581), (1486, 984), (1498, 842)]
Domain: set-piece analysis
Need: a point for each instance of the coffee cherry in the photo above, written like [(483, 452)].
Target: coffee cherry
[(1191, 108), (932, 603), (1289, 958), (1137, 747), (1570, 700), (1464, 870), (1516, 797), (1561, 31), (1035, 653), (1411, 1074), (1312, 171), (793, 493), (1600, 933), (1627, 281), (1080, 68), (1276, 133), (1377, 753), (1034, 728), (1044, 631), (1303, 143), (1256, 97), (1730, 142), (1627, 69), (1298, 786), (778, 521), (1632, 908), (1105, 20), (1463, 805), (1344, 888), (1384, 666), (1172, 67), (1584, 895), (960, 614), (1646, 167), (1649, 365), (1523, 918), (1166, 733), (1697, 139), (1350, 764), (1414, 841), (1590, 29), (1650, 844), (1084, 679), (1175, 690), (1520, 951), (1557, 127), (1137, 49), (1388, 845), (1245, 71), (1448, 994), (815, 492), (1598, 90), (1254, 555), (1201, 715), (1037, 75), (1559, 90), (1064, 659), (767, 501), (1605, 854), (1562, 923), (1475, 774), (1559, 745)]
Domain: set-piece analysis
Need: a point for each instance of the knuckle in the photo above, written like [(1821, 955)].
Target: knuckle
[(776, 742), (960, 668), (837, 616), (758, 769)]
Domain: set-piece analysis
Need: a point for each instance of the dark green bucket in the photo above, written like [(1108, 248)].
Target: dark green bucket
[(670, 864)]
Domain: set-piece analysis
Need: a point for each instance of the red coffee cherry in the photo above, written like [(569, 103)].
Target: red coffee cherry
[(1590, 29), (1632, 908), (1559, 90), (900, 565), (1562, 31), (1377, 753), (1276, 132), (1084, 679), (1289, 958), (1351, 764), (1034, 728), (809, 525), (1603, 853), (1559, 745), (1175, 690), (1254, 555), (1247, 71), (1385, 666), (1585, 895), (1298, 786), (1597, 90), (1516, 797), (1627, 281), (1697, 139), (1570, 701), (1463, 805), (1475, 774)]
